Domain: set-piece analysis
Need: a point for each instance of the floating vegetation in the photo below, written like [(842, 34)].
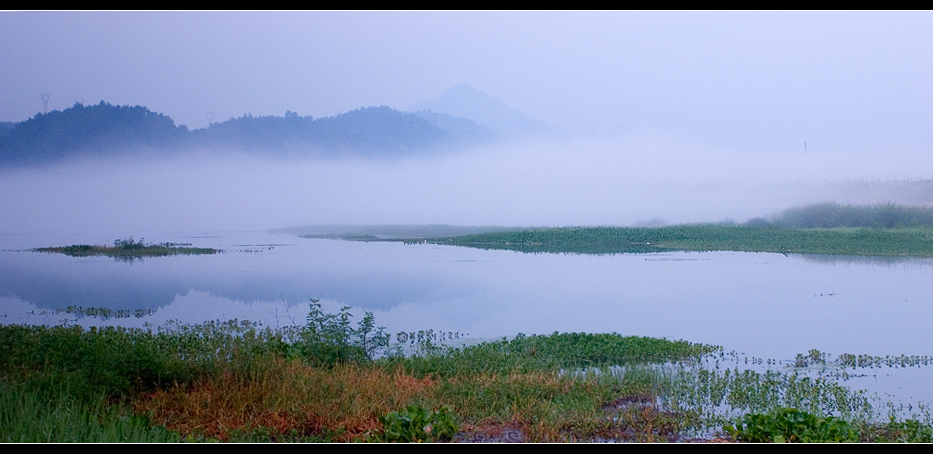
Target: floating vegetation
[(817, 358), (789, 425), (128, 250), (256, 248), (104, 313)]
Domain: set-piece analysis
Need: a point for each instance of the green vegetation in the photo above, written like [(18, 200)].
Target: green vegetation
[(416, 425), (789, 425), (128, 250), (828, 228), (57, 417), (915, 241), (335, 380), (883, 230), (330, 339)]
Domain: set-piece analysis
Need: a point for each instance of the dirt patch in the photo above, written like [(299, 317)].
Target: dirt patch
[(491, 433)]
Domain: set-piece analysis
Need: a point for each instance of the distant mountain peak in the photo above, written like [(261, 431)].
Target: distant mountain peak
[(465, 101)]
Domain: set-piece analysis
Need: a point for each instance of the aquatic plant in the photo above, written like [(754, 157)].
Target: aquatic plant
[(552, 353), (791, 425)]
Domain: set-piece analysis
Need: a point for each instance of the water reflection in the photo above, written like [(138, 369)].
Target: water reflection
[(868, 260)]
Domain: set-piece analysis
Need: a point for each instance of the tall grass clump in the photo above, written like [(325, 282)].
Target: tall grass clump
[(58, 417)]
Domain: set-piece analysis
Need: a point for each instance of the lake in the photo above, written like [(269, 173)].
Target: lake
[(762, 305)]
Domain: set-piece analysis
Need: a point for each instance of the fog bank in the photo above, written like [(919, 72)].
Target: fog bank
[(578, 182)]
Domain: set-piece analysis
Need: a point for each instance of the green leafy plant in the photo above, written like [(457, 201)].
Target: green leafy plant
[(417, 425), (789, 425), (330, 338)]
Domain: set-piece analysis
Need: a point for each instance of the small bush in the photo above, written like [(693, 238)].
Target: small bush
[(330, 338)]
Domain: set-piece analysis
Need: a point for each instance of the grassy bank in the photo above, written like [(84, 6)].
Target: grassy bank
[(337, 380), (823, 228), (908, 241), (128, 249)]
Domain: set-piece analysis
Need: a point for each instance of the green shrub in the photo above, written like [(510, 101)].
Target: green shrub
[(330, 338)]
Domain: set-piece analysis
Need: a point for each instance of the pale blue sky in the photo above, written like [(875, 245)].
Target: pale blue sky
[(763, 81)]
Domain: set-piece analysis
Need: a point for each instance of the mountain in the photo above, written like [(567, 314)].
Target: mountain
[(464, 132), (108, 130), (6, 127), (467, 102)]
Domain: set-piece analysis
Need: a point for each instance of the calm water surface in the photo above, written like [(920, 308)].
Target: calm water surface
[(760, 304)]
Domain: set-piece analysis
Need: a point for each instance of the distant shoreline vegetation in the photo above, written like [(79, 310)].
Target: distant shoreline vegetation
[(128, 249), (827, 228)]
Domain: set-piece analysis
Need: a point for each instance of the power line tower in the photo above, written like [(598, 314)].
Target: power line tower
[(45, 103), (210, 118)]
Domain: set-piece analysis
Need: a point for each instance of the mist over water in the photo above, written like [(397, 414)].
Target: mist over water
[(540, 183)]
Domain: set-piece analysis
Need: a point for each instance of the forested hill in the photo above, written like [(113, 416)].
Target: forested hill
[(60, 134), (108, 130)]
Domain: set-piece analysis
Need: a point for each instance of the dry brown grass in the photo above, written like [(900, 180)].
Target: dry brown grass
[(290, 397)]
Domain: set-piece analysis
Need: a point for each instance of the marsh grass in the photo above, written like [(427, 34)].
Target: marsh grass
[(237, 381), (57, 417), (826, 228), (909, 241)]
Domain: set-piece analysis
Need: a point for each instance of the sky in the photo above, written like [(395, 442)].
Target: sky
[(756, 81)]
